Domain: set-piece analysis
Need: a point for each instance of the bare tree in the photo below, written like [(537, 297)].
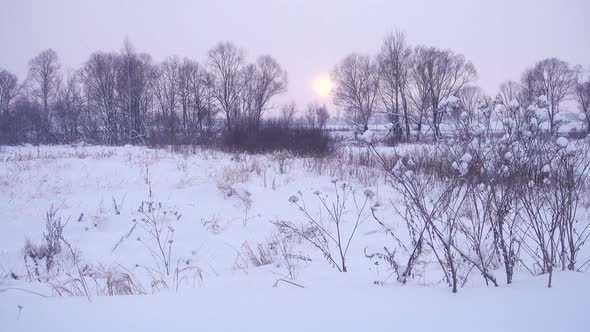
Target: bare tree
[(509, 91), (357, 88), (582, 96), (8, 91), (510, 103), (185, 90), (317, 116), (133, 84), (395, 60), (43, 79), (226, 62), (203, 96), (552, 78), (419, 100), (271, 80), (288, 114), (68, 106), (99, 77), (529, 90), (440, 74), (165, 88), (470, 97), (245, 114)]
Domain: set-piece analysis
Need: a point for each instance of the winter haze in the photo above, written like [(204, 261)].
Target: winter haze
[(500, 37), (295, 166)]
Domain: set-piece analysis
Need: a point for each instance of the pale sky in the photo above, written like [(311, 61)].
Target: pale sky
[(307, 37)]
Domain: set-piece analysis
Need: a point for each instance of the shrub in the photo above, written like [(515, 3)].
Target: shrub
[(50, 247), (272, 136), (324, 236)]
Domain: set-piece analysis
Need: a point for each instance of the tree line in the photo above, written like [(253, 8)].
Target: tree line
[(126, 97), (412, 84)]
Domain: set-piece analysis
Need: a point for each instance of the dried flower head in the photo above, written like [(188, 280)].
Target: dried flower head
[(369, 194)]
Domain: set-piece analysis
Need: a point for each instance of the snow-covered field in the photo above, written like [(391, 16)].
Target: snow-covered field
[(224, 257)]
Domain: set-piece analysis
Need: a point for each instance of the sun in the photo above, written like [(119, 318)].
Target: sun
[(322, 85)]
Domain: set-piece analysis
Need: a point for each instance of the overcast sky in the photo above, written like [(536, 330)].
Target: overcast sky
[(307, 37)]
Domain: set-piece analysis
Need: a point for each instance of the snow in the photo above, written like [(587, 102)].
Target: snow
[(478, 130), (514, 104), (451, 101), (542, 100), (210, 189), (571, 148), (463, 168), (520, 307), (562, 142), (367, 136), (541, 113), (466, 157), (483, 104), (369, 193)]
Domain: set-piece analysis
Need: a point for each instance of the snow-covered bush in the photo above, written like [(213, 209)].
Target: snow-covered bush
[(552, 203), (510, 199), (431, 208)]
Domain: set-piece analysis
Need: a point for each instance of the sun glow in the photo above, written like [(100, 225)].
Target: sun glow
[(322, 85)]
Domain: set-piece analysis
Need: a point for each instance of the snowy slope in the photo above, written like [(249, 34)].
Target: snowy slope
[(226, 204), (525, 306)]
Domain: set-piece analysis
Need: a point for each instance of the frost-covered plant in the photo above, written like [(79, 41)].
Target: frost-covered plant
[(118, 205), (213, 224), (285, 249), (113, 281), (448, 211), (262, 255), (75, 282), (245, 198), (515, 193), (51, 246), (283, 160), (461, 119), (155, 221), (169, 271), (435, 213), (99, 280), (552, 200), (237, 173), (332, 237)]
